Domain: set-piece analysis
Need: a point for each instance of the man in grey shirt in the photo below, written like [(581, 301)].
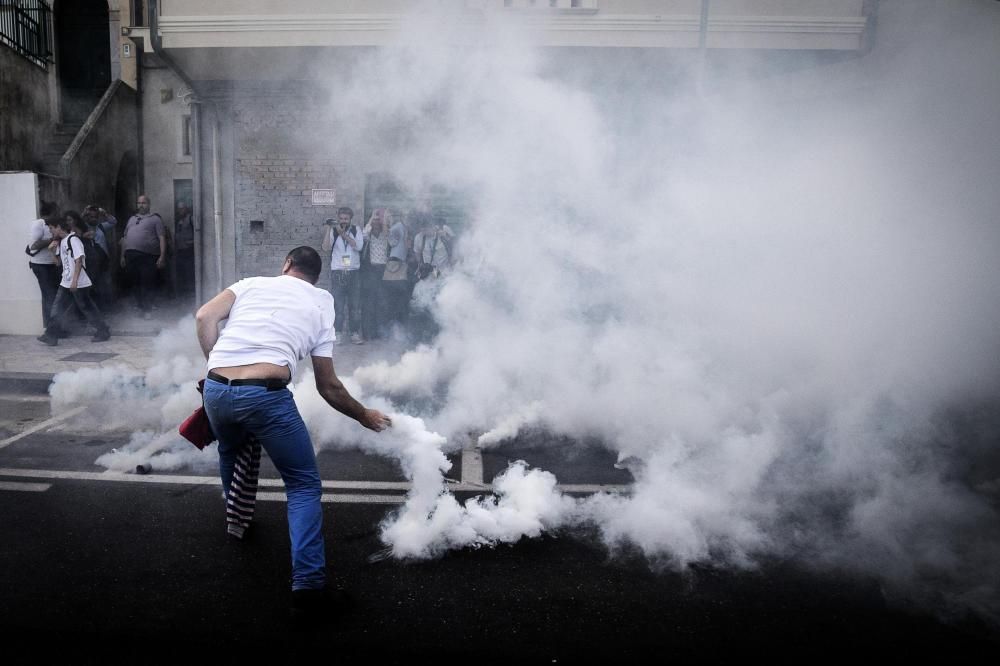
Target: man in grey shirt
[(144, 246)]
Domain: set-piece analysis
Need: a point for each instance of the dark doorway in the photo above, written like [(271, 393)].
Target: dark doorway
[(126, 188), (126, 192), (183, 255), (84, 56)]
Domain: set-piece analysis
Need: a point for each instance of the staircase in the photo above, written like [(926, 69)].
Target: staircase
[(57, 145)]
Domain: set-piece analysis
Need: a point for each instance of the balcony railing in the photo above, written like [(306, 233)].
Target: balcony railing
[(25, 28)]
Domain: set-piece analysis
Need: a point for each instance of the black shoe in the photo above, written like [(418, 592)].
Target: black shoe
[(323, 604), (48, 339), (101, 336)]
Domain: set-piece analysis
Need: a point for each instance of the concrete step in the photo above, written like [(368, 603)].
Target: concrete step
[(51, 167)]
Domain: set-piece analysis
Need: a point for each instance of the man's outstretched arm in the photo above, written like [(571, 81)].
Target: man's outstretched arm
[(209, 316), (333, 391)]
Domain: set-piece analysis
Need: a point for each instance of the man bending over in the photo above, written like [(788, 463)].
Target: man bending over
[(273, 323)]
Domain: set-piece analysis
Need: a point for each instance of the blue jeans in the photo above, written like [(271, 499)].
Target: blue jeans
[(346, 289), (274, 419), (65, 299)]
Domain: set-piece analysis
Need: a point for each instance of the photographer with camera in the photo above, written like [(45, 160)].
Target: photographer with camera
[(345, 241), (433, 247)]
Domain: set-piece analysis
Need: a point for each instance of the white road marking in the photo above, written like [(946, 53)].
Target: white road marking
[(179, 479), (25, 487), (342, 498), (593, 487), (42, 426), (21, 397), (472, 464)]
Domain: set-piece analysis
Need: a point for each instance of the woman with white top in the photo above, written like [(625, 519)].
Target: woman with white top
[(373, 261)]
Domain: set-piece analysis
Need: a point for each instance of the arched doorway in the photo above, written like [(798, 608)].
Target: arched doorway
[(83, 54)]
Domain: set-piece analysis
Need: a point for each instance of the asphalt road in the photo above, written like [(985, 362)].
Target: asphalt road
[(104, 572)]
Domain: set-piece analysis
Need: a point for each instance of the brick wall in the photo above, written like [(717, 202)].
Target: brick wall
[(280, 158)]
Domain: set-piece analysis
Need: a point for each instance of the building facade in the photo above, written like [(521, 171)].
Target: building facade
[(69, 123), (237, 104)]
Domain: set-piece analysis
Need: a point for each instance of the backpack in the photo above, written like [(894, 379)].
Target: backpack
[(108, 227), (94, 258)]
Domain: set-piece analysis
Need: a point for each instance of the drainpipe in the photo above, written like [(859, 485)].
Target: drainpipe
[(199, 231), (217, 197), (154, 38), (703, 45), (870, 11), (703, 27)]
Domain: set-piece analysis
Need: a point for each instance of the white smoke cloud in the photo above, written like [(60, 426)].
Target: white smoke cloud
[(774, 288), (150, 404), (526, 504), (772, 285), (153, 403)]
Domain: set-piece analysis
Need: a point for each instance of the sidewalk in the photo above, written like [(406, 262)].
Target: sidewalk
[(27, 365)]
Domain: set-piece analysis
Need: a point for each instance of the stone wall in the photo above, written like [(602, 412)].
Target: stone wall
[(163, 107), (93, 170), (24, 112)]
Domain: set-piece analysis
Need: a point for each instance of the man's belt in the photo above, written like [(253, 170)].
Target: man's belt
[(269, 384)]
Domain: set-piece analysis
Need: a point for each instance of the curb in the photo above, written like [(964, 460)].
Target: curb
[(28, 383)]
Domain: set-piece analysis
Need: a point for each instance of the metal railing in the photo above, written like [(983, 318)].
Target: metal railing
[(25, 26)]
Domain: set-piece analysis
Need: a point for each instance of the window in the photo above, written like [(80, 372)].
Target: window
[(184, 143), (138, 10), (24, 27)]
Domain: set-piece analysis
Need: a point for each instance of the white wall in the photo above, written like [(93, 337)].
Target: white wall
[(20, 299)]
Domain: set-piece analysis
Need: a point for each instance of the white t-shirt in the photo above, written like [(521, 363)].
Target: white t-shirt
[(70, 249), (275, 320), (40, 231), (343, 257)]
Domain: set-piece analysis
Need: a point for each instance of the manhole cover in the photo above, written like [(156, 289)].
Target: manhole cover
[(88, 357)]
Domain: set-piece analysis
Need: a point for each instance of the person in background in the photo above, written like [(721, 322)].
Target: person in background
[(97, 268), (105, 236), (345, 241), (433, 247), (75, 286), (42, 261), (184, 249), (144, 246), (395, 285), (373, 260)]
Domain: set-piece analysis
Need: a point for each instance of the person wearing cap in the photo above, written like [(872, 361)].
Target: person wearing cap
[(345, 241), (273, 322)]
